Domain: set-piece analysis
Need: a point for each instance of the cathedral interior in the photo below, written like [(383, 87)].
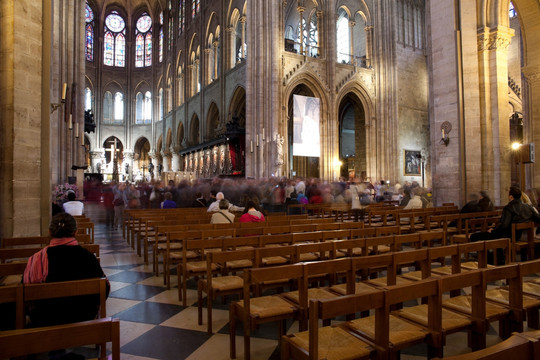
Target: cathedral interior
[(400, 91), (442, 92)]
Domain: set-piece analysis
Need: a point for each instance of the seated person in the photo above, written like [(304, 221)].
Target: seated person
[(63, 260), (73, 207), (168, 203), (223, 216), (251, 213), (215, 206)]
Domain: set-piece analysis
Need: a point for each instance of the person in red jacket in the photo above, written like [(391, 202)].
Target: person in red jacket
[(251, 214)]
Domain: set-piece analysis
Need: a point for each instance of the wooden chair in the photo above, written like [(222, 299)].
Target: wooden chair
[(258, 310), (16, 343), (335, 342), (227, 262), (13, 294), (194, 266), (526, 248)]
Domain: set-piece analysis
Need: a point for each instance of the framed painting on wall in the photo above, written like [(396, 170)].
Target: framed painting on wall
[(411, 162)]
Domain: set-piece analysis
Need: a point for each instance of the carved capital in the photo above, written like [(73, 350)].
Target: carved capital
[(300, 9), (352, 23), (166, 153), (494, 39)]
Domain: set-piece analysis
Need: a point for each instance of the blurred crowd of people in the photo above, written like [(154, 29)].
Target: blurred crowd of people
[(268, 195)]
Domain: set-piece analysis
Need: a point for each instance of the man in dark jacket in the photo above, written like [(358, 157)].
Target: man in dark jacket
[(514, 212)]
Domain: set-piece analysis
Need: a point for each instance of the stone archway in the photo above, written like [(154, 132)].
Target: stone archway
[(352, 137)]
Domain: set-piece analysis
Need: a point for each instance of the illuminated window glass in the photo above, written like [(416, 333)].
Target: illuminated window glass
[(89, 33), (143, 41), (114, 44)]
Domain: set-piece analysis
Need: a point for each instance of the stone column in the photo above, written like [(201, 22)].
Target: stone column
[(231, 58), (193, 80), (243, 41), (96, 160), (351, 41), (207, 72), (166, 155), (127, 161), (532, 114), (495, 130), (175, 158), (215, 45), (301, 10), (152, 164), (369, 45)]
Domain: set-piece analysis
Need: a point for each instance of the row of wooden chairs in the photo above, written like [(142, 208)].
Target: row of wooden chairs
[(228, 263), (191, 246), (389, 331)]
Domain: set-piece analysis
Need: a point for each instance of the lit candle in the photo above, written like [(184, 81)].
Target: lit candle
[(443, 133), (263, 135), (257, 139), (251, 145), (82, 137), (64, 91), (70, 123), (76, 129)]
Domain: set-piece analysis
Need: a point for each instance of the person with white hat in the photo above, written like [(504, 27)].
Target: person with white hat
[(215, 205)]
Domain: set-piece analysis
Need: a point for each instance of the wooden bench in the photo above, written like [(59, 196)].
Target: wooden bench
[(16, 343)]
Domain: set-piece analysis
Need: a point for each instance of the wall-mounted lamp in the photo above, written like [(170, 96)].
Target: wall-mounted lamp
[(446, 127), (55, 106)]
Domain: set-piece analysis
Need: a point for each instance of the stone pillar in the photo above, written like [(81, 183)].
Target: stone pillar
[(301, 10), (127, 165), (207, 72), (96, 160), (215, 45), (166, 155), (153, 164), (193, 80), (351, 40), (175, 166), (495, 129), (369, 44), (243, 41), (532, 116), (231, 36)]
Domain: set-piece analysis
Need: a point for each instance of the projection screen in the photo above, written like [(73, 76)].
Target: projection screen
[(306, 136)]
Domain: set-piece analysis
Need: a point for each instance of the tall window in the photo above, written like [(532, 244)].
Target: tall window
[(171, 21), (161, 37), (143, 41), (143, 108), (313, 36), (89, 33), (512, 11), (161, 100), (181, 16), (107, 107), (195, 7), (118, 107), (87, 99), (114, 53), (343, 37)]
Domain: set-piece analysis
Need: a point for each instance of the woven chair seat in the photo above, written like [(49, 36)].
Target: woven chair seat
[(269, 306), (415, 275), (313, 294), (172, 246), (401, 331), (274, 260), (443, 270), (225, 283), (198, 266), (531, 288), (179, 255), (459, 238), (463, 304), (308, 257), (450, 320), (360, 288), (380, 249), (534, 281), (503, 296), (473, 265), (335, 343), (340, 254), (239, 264), (382, 281), (10, 280)]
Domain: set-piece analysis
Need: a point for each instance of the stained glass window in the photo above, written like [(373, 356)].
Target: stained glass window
[(89, 33), (143, 41), (195, 7), (343, 36), (181, 16), (87, 99), (512, 11), (161, 45), (171, 26), (143, 108), (118, 107), (114, 43)]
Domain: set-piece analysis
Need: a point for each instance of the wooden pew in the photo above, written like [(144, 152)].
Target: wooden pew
[(16, 343)]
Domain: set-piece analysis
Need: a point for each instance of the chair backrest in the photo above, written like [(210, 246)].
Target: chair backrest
[(24, 241), (314, 236)]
